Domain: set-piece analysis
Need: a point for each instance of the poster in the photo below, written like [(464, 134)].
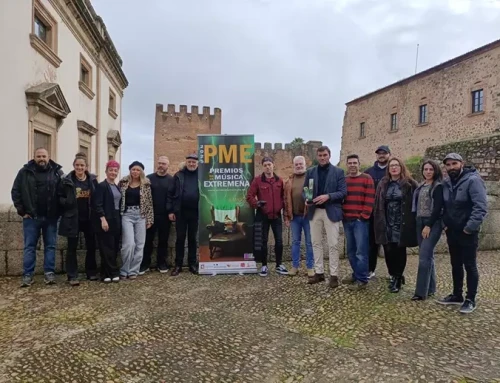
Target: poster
[(225, 171)]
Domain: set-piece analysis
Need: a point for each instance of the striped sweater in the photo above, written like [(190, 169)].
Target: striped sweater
[(360, 197)]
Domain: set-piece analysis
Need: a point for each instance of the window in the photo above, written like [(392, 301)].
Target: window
[(43, 37), (112, 104), (394, 122), (84, 149), (42, 140), (362, 130), (85, 83), (477, 101), (422, 115)]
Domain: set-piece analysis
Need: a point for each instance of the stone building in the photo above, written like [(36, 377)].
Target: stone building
[(176, 136), (458, 99), (62, 85)]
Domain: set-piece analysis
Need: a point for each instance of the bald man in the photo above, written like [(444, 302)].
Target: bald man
[(162, 188)]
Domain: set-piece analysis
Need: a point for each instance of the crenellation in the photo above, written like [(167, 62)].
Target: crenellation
[(194, 110), (288, 146), (278, 146), (268, 146), (183, 109)]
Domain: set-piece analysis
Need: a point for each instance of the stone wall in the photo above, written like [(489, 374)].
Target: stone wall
[(283, 155), (447, 92), (482, 152), (176, 131)]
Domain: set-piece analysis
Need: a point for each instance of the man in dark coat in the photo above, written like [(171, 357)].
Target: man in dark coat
[(465, 207), (186, 214), (35, 195), (328, 186), (377, 172)]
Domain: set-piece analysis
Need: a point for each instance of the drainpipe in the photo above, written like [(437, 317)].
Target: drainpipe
[(98, 113)]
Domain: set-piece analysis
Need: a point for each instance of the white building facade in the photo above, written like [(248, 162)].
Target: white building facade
[(62, 86)]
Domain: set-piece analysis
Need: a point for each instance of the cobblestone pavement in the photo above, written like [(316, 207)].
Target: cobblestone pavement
[(247, 329)]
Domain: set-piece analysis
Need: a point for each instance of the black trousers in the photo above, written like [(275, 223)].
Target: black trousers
[(395, 258), (186, 225), (463, 254), (109, 246), (86, 228), (263, 224), (161, 226), (374, 248)]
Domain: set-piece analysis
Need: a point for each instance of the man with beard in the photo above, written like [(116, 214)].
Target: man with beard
[(324, 212), (465, 207), (377, 172), (35, 195), (185, 213), (163, 189), (358, 207), (294, 213)]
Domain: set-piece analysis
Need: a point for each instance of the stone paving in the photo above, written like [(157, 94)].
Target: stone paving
[(247, 329)]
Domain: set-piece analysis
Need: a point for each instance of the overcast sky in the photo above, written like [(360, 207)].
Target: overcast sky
[(279, 68)]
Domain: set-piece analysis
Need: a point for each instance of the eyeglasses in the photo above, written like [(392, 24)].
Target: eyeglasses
[(395, 166)]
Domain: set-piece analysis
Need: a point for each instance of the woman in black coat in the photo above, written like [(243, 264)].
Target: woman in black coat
[(106, 208), (395, 225), (79, 186)]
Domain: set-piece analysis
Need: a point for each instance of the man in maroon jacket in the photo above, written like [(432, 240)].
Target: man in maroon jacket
[(266, 194)]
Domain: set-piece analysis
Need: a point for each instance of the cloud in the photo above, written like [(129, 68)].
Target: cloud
[(279, 68)]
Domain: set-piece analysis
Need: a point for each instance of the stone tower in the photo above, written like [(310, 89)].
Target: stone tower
[(176, 132)]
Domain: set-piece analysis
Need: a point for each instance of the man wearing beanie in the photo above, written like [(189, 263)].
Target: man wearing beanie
[(266, 194), (185, 207)]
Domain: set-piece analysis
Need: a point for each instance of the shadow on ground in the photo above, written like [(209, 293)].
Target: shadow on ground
[(247, 329)]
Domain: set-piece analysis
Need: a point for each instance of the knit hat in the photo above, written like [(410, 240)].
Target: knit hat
[(112, 164), (136, 163)]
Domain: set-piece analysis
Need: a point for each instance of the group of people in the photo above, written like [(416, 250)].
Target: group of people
[(384, 206), (116, 217)]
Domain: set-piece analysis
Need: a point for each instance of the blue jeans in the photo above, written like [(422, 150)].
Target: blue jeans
[(426, 275), (31, 229), (358, 245), (298, 224)]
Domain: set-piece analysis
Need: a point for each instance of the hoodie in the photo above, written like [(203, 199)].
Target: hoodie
[(377, 173)]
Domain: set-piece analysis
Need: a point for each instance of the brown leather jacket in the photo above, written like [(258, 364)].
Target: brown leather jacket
[(288, 210)]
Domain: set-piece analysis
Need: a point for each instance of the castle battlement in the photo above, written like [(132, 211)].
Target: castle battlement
[(307, 146), (183, 111)]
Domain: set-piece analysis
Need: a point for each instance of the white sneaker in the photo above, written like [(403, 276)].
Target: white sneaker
[(371, 275), (107, 280), (116, 279), (281, 269), (264, 271)]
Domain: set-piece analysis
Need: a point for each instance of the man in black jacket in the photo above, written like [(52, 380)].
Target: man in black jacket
[(377, 172), (35, 195), (163, 189), (187, 196)]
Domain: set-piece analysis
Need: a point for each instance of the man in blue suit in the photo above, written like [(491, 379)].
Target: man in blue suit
[(324, 210)]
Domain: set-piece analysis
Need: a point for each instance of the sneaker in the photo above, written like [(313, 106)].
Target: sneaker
[(163, 270), (451, 300), (356, 286), (116, 279), (293, 271), (371, 275), (310, 273), (132, 277), (74, 282), (334, 281), (93, 278), (348, 281), (468, 307), (316, 278), (50, 278), (27, 281), (264, 271), (123, 277), (107, 280), (142, 272), (281, 269)]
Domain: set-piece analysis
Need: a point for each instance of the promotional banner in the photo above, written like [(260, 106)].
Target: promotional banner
[(225, 171)]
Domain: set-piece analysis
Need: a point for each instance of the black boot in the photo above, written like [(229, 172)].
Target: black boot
[(396, 286), (391, 282)]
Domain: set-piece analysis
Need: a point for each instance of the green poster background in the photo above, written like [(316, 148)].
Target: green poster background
[(226, 169)]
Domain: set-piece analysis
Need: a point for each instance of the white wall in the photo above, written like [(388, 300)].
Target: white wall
[(23, 67)]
